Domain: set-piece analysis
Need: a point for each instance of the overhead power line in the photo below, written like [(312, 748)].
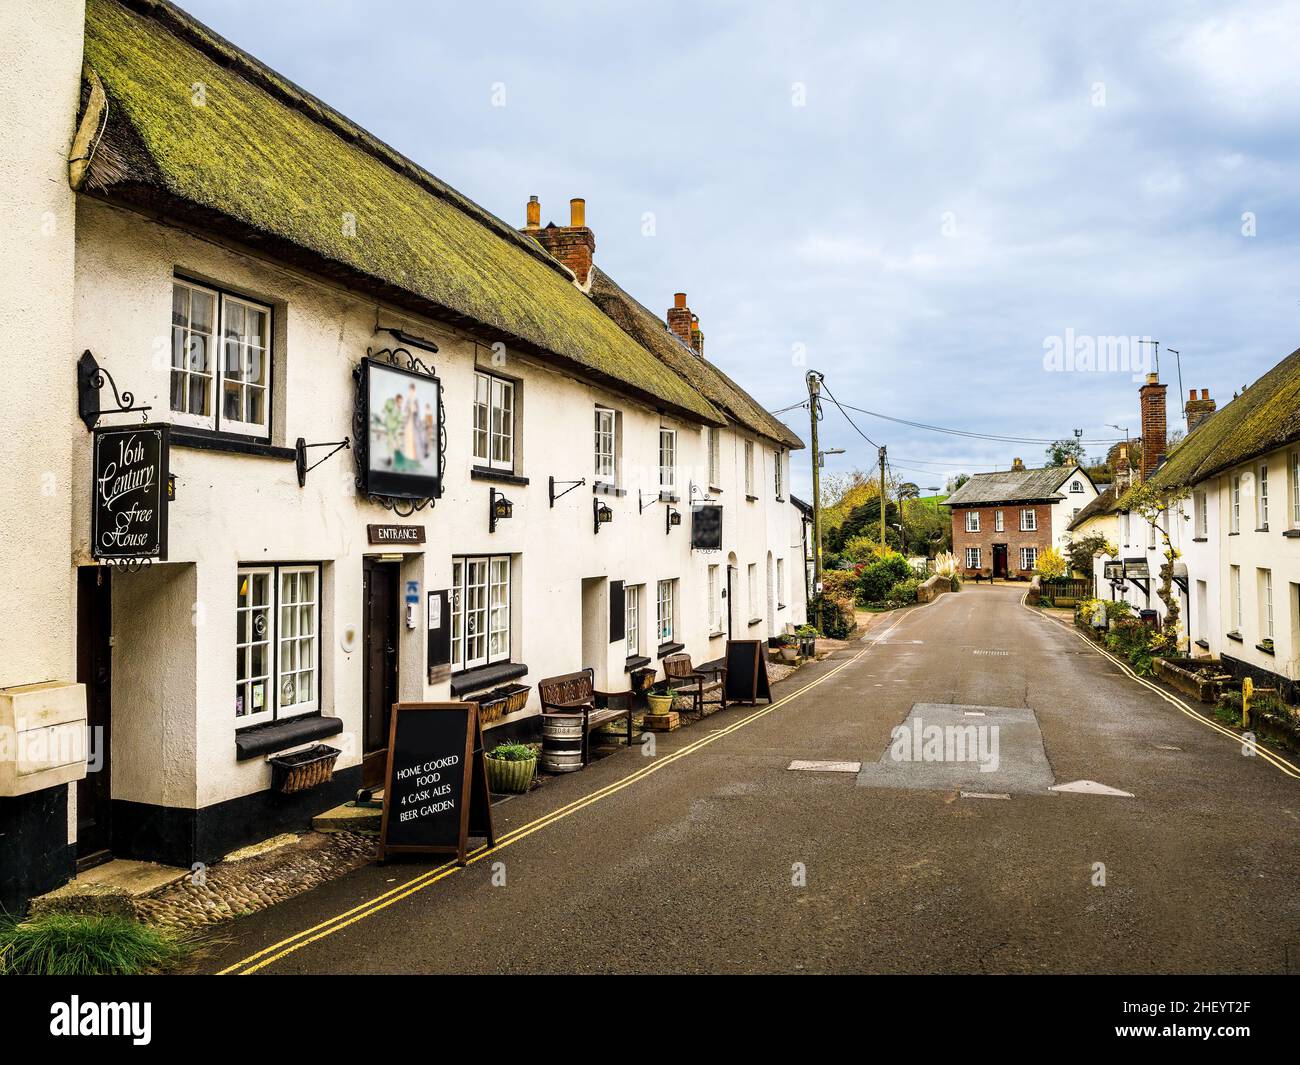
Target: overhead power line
[(964, 432), (851, 422)]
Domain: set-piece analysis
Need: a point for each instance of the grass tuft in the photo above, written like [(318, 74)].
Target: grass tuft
[(62, 944)]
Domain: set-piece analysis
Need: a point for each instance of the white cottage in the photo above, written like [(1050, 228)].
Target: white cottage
[(527, 447)]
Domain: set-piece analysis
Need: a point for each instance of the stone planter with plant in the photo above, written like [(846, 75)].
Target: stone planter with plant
[(660, 698), (511, 767)]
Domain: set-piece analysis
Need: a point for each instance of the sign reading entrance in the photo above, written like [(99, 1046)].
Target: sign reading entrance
[(128, 517), (435, 789), (395, 534), (747, 672)]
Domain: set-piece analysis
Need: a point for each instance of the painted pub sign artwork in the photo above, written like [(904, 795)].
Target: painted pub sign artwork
[(129, 488), (403, 418)]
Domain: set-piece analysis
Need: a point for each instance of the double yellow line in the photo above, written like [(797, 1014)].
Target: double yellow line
[(276, 951), (1272, 757)]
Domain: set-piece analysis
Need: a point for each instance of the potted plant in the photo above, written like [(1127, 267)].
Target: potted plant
[(510, 767), (660, 697), (807, 635), (788, 649)]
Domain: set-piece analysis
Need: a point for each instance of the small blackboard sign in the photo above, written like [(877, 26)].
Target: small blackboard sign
[(435, 788), (747, 672)]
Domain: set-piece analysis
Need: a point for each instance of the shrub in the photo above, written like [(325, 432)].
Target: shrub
[(903, 592), (875, 580), (512, 752), (860, 549), (67, 944), (836, 615), (839, 583), (946, 564)]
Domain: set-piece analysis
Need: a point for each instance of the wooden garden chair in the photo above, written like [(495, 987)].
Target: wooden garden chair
[(696, 683)]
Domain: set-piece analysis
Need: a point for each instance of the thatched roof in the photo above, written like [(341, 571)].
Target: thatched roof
[(1011, 486), (649, 330), (272, 167), (1099, 507), (1264, 417)]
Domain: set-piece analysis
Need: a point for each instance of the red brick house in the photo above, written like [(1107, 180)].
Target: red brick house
[(1002, 522)]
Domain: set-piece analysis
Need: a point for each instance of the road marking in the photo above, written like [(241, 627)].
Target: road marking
[(973, 713), (1272, 757), (1167, 747), (827, 767), (276, 951), (985, 795), (1090, 787)]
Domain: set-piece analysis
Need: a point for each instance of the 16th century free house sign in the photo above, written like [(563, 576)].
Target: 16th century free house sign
[(128, 517)]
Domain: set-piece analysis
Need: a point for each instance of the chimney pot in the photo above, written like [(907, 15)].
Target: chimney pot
[(534, 213), (574, 245), (1205, 393), (1191, 393), (1153, 379), (683, 323), (679, 299), (577, 212)]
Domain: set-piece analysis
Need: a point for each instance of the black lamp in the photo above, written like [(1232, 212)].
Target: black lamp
[(671, 517), (600, 514), (499, 508)]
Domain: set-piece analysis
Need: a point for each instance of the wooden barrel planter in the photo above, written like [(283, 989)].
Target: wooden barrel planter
[(561, 743)]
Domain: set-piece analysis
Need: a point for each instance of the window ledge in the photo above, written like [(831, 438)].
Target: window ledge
[(752, 499), (636, 662), (715, 635), (755, 621), (1200, 539), (714, 488), (280, 735), (1291, 534), (1264, 649), (473, 680), (208, 441), (780, 499), (1204, 645), (666, 649), (604, 488), (1236, 636), (1262, 528), (780, 606), (1234, 533), (486, 473)]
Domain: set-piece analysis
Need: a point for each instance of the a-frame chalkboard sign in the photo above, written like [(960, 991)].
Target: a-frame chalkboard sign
[(747, 672), (435, 787)]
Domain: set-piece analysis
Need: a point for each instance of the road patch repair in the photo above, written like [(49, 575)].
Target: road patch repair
[(826, 767), (977, 750)]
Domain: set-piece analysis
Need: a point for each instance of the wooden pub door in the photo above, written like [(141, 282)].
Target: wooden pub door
[(95, 671), (380, 591)]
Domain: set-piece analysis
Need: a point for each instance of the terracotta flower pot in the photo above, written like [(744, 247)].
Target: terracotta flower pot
[(660, 704)]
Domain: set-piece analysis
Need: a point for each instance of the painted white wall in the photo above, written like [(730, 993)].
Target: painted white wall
[(232, 509), (1064, 509)]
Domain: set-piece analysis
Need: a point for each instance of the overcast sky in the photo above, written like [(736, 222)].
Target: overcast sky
[(914, 197)]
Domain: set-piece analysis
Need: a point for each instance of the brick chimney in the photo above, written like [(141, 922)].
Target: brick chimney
[(1154, 424), (574, 244), (685, 324), (1017, 464), (1199, 409)]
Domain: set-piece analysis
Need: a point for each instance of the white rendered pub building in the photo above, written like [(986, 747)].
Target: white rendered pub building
[(297, 431)]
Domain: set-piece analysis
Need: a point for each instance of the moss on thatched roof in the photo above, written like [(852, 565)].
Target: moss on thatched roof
[(644, 326), (277, 169), (1264, 417)]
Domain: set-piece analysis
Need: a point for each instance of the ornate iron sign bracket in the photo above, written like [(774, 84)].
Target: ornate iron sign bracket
[(90, 380), (300, 457)]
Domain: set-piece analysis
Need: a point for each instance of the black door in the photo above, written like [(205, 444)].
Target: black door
[(379, 687), (95, 671), (730, 635), (999, 560)]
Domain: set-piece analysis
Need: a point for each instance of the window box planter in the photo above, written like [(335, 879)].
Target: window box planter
[(300, 770), (510, 775), (496, 704)]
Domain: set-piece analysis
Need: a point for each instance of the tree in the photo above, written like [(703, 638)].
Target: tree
[(1050, 564), (1065, 453), (1082, 551), (1155, 505), (956, 481)]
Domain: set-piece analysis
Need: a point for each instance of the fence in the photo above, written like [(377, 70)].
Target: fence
[(1068, 588)]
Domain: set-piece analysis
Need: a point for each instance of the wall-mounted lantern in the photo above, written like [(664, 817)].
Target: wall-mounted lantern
[(671, 517), (600, 514), (499, 509)]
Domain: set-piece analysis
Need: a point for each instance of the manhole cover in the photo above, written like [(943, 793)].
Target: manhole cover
[(826, 767)]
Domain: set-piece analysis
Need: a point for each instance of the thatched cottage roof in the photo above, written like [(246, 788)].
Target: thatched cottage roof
[(1264, 417), (269, 165), (649, 330)]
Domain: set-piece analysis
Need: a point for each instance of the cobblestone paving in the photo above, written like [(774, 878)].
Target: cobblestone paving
[(227, 890)]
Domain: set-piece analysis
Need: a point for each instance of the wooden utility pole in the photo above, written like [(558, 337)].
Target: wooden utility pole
[(884, 498), (814, 412)]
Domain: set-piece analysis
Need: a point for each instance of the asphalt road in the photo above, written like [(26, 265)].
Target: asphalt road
[(715, 857)]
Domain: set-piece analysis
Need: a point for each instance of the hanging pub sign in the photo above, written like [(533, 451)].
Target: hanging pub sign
[(128, 518), (399, 429), (706, 527)]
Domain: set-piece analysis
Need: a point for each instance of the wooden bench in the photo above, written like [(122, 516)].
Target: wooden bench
[(696, 683), (575, 693)]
